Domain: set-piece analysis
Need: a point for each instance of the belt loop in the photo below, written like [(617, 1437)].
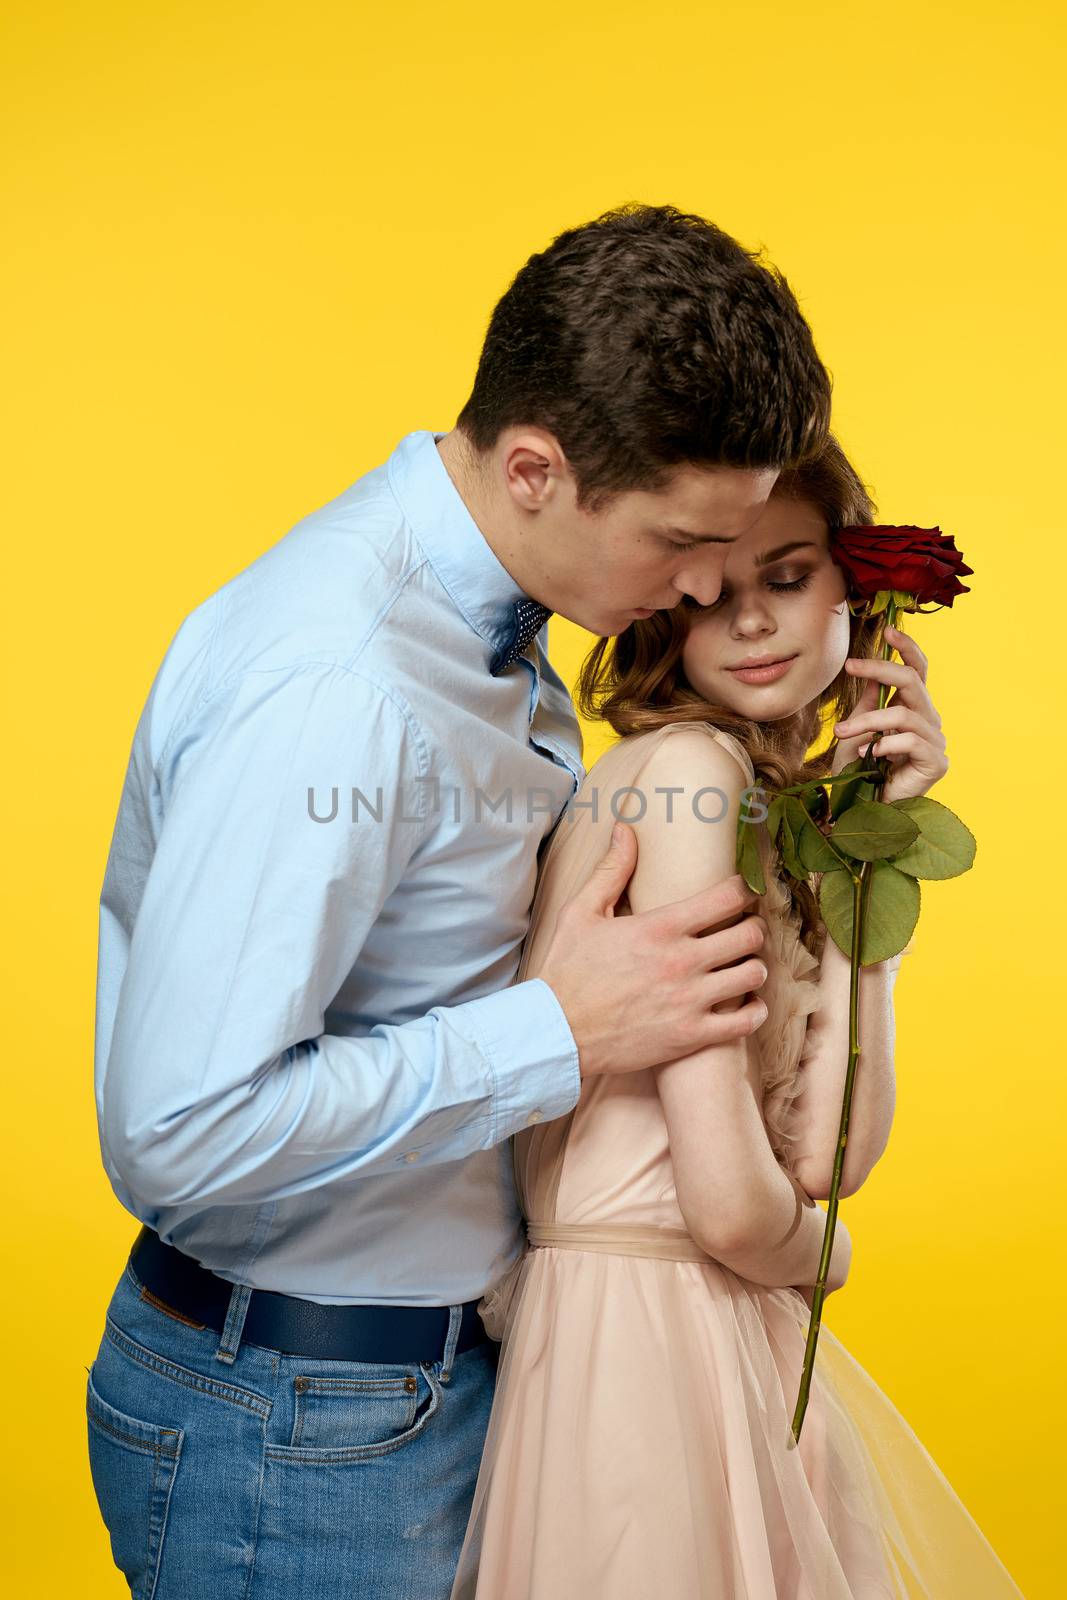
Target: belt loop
[(230, 1339), (455, 1317)]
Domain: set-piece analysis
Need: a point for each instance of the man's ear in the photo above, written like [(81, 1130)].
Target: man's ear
[(535, 468)]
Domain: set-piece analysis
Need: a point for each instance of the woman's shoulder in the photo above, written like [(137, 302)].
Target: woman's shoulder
[(681, 773), (696, 742)]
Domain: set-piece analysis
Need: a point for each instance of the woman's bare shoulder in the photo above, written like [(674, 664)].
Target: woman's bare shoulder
[(684, 808), (697, 749)]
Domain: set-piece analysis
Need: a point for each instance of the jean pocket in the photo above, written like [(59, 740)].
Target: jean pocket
[(355, 1417), (133, 1466)]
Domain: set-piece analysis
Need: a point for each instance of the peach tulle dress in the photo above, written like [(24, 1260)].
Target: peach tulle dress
[(637, 1444)]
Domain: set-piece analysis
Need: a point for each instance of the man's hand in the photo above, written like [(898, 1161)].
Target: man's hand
[(640, 990)]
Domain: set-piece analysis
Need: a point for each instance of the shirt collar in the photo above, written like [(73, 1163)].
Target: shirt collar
[(480, 585)]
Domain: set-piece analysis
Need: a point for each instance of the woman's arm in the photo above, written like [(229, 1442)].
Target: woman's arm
[(908, 735), (737, 1201), (815, 1113)]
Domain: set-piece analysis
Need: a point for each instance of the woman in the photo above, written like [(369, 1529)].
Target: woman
[(652, 1336)]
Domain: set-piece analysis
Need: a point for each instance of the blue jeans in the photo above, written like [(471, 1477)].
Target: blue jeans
[(223, 1469)]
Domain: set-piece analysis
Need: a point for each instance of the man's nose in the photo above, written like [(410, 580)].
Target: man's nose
[(705, 587), (702, 578)]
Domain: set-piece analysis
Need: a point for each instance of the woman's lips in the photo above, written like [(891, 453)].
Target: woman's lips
[(762, 674)]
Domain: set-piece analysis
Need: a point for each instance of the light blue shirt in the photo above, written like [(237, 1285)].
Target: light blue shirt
[(310, 1051)]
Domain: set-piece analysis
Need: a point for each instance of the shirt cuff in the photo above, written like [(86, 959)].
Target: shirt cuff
[(531, 1051)]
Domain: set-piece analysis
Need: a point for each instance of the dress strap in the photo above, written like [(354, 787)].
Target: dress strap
[(668, 1244)]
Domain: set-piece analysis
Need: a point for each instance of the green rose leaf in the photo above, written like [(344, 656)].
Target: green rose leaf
[(846, 790), (774, 817), (754, 803), (870, 831), (945, 846), (892, 911), (816, 802), (794, 817), (812, 852), (748, 861)]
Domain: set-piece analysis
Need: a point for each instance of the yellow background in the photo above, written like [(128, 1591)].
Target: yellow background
[(251, 247)]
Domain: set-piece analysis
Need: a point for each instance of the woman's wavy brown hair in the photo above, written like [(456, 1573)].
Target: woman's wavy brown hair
[(635, 680)]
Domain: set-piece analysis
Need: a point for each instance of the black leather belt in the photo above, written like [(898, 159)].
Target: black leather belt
[(299, 1327)]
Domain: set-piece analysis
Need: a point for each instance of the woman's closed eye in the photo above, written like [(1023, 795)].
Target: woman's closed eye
[(791, 587), (797, 583)]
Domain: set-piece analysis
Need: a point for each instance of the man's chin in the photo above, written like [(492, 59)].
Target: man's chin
[(628, 618), (604, 627), (607, 625)]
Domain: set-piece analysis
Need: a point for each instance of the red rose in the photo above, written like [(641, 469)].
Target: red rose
[(922, 562)]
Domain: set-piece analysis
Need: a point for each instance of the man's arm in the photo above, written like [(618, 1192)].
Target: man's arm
[(221, 1086)]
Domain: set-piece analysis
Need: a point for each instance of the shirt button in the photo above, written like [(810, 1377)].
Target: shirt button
[(535, 1116), (412, 1155)]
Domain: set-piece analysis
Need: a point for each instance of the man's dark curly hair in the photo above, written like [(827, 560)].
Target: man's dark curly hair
[(646, 339)]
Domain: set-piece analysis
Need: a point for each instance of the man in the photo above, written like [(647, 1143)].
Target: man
[(310, 1054)]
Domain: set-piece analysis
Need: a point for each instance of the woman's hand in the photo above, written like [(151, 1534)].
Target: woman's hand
[(910, 728), (840, 1265)]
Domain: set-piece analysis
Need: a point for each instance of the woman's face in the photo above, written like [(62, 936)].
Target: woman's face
[(774, 605)]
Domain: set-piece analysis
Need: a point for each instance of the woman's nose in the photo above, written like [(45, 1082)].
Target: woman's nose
[(752, 619)]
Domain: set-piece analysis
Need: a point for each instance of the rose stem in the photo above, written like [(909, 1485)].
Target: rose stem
[(861, 881)]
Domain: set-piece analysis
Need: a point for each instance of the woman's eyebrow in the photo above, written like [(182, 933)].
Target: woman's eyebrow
[(783, 550)]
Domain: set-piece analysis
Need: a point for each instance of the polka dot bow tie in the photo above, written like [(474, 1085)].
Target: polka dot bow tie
[(529, 618)]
